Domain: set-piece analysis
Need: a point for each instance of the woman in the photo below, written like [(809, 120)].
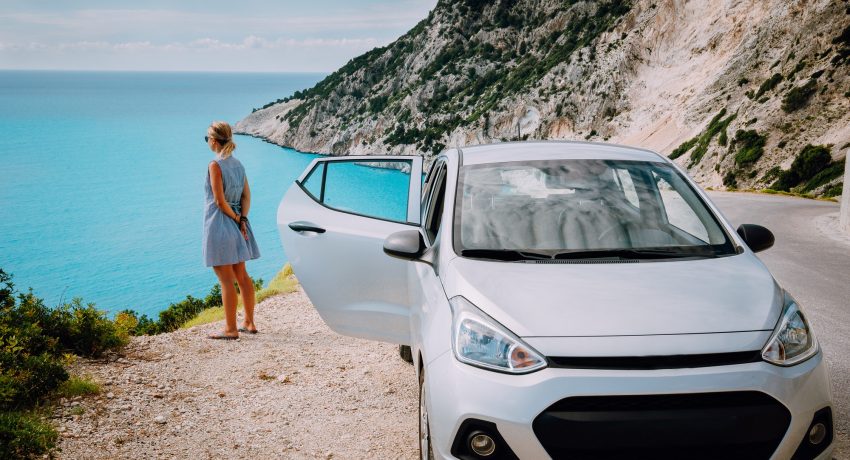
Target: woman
[(228, 240)]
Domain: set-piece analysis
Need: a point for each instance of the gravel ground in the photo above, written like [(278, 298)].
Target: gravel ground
[(295, 390)]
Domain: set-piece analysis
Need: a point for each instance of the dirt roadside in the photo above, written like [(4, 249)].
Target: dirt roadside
[(295, 390)]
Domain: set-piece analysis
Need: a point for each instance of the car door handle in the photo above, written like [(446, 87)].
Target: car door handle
[(305, 227)]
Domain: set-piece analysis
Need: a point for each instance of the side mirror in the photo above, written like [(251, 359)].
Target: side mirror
[(757, 237), (406, 244)]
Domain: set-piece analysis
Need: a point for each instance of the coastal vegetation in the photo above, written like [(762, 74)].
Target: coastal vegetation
[(38, 343), (177, 314)]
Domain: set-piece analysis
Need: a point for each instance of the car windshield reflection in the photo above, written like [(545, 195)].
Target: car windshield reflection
[(583, 209)]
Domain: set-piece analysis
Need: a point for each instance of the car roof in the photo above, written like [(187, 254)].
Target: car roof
[(553, 150)]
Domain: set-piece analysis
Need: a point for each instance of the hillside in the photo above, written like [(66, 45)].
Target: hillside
[(735, 91)]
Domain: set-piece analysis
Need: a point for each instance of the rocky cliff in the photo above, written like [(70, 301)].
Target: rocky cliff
[(746, 93)]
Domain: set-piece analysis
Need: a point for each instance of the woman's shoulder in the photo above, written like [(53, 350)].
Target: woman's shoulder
[(234, 162)]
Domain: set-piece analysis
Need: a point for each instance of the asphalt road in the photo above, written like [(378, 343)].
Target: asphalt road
[(815, 268)]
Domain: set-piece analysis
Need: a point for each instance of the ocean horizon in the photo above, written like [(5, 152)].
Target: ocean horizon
[(103, 175)]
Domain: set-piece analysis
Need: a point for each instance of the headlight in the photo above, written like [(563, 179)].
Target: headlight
[(479, 340), (792, 342)]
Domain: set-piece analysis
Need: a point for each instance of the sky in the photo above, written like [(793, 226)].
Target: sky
[(199, 35)]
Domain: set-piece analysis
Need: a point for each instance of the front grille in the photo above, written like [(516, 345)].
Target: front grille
[(655, 362), (704, 425), (582, 261)]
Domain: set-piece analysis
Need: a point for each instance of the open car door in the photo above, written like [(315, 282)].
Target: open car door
[(333, 221)]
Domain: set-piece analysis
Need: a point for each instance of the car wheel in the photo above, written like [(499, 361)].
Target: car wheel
[(405, 353), (425, 451)]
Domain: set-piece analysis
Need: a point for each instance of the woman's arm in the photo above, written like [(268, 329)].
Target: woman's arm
[(218, 191), (246, 198)]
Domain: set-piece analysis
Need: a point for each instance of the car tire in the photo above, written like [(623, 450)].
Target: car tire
[(405, 353), (425, 450)]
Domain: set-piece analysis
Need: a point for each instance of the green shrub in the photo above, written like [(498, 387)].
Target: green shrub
[(768, 85), (177, 314), (683, 148), (771, 174), (85, 330), (30, 359), (827, 174), (78, 386), (798, 96), (25, 435), (700, 144), (811, 160), (729, 180), (835, 190), (750, 145)]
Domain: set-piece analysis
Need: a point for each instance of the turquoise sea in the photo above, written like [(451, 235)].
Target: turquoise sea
[(102, 174)]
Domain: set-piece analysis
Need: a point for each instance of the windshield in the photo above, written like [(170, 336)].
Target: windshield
[(582, 209)]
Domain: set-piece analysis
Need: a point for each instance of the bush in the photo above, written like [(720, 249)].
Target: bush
[(30, 359), (177, 314), (85, 330), (798, 96), (25, 435), (768, 85), (811, 160), (729, 180), (33, 342), (835, 190), (750, 145), (827, 174)]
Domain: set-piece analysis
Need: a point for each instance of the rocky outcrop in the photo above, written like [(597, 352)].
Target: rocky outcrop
[(735, 90)]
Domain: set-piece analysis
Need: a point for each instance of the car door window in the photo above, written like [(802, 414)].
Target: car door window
[(377, 189), (312, 184)]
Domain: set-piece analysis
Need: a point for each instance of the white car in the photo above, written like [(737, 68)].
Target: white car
[(565, 300)]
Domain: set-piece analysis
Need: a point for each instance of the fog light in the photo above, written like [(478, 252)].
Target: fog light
[(817, 434), (482, 444)]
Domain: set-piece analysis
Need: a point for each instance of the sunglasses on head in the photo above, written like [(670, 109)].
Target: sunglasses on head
[(207, 139)]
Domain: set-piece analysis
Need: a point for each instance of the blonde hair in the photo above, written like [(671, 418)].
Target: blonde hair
[(221, 132)]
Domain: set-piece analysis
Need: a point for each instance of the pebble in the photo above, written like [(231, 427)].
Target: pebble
[(213, 398)]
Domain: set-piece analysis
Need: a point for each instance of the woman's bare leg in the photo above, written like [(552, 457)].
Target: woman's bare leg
[(226, 277), (246, 287)]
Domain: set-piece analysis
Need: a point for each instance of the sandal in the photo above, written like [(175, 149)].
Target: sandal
[(246, 330), (222, 336)]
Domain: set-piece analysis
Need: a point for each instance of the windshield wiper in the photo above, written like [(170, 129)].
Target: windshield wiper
[(503, 254), (637, 253)]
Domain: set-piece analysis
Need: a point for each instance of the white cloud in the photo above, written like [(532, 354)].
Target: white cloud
[(248, 43)]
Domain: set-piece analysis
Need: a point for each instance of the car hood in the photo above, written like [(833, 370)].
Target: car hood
[(727, 294)]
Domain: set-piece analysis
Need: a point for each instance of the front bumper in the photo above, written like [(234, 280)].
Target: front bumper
[(458, 392)]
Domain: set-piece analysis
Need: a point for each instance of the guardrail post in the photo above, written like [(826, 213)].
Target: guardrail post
[(844, 214)]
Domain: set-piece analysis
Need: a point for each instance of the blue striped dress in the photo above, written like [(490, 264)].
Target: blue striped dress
[(223, 242)]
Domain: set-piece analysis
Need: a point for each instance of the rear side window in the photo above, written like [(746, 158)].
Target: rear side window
[(313, 182)]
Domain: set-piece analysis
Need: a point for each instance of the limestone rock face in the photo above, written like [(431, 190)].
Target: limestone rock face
[(734, 89)]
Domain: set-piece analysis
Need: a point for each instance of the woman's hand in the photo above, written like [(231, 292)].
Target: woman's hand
[(243, 227)]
